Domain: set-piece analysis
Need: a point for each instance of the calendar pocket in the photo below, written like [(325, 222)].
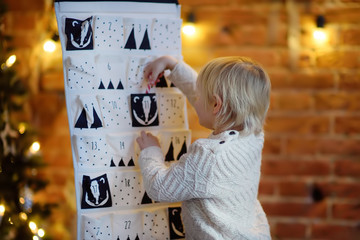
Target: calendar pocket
[(91, 151), (121, 149), (109, 33), (166, 35), (174, 144), (113, 72), (128, 226), (97, 226), (135, 72), (127, 189), (80, 73), (85, 112), (115, 111), (137, 34), (172, 110)]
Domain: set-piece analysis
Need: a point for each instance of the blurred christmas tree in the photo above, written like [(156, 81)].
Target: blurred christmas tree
[(20, 159)]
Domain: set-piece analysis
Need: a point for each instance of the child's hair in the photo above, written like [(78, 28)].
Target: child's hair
[(244, 88)]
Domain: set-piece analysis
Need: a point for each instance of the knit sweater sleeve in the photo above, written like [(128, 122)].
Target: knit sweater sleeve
[(182, 180), (184, 78)]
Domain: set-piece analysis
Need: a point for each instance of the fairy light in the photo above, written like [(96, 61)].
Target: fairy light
[(49, 46), (41, 232), (2, 210), (10, 61), (319, 33), (35, 147), (35, 238), (23, 216), (33, 227), (189, 28), (22, 128)]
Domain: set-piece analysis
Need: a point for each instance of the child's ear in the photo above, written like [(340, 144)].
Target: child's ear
[(217, 104)]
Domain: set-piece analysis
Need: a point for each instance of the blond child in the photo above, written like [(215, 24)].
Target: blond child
[(218, 179)]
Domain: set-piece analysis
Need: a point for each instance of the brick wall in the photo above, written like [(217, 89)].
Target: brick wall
[(310, 185)]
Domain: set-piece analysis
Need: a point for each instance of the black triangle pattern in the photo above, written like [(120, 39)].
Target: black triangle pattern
[(97, 122), (121, 163), (112, 164), (110, 86), (130, 43), (81, 122), (146, 199), (170, 153), (183, 150), (101, 85), (162, 83), (120, 86), (145, 44), (131, 163)]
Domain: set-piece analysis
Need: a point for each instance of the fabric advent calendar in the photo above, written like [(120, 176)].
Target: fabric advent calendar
[(105, 47)]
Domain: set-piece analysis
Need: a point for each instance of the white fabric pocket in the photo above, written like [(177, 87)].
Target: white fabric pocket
[(109, 32), (137, 34), (115, 111), (121, 150), (174, 144), (97, 226), (85, 112), (166, 36), (172, 110), (128, 226), (91, 151), (111, 72), (127, 189), (80, 73)]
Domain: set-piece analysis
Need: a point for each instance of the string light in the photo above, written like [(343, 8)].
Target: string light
[(35, 238), (189, 28), (33, 227), (23, 216), (35, 147), (41, 232), (22, 128), (319, 33), (10, 61), (49, 46), (2, 210)]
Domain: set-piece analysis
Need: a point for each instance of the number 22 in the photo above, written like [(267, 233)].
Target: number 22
[(127, 224)]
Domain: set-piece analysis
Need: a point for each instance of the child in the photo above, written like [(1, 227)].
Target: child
[(218, 178)]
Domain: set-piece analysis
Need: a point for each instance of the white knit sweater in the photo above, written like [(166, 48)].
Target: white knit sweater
[(217, 180)]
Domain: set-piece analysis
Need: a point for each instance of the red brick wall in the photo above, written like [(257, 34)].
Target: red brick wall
[(310, 185)]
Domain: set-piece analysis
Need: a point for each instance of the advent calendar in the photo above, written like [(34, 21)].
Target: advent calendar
[(105, 47)]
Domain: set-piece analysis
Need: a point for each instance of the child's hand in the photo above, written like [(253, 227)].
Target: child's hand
[(155, 69), (147, 140)]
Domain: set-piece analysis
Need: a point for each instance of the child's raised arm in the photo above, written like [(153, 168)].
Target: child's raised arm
[(154, 70)]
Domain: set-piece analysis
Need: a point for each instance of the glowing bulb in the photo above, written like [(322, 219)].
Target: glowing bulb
[(35, 238), (10, 61), (23, 216), (189, 29), (2, 210), (22, 128), (49, 46), (41, 232), (32, 226), (319, 35), (35, 147)]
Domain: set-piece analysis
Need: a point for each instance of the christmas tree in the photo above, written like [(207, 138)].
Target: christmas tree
[(20, 217)]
